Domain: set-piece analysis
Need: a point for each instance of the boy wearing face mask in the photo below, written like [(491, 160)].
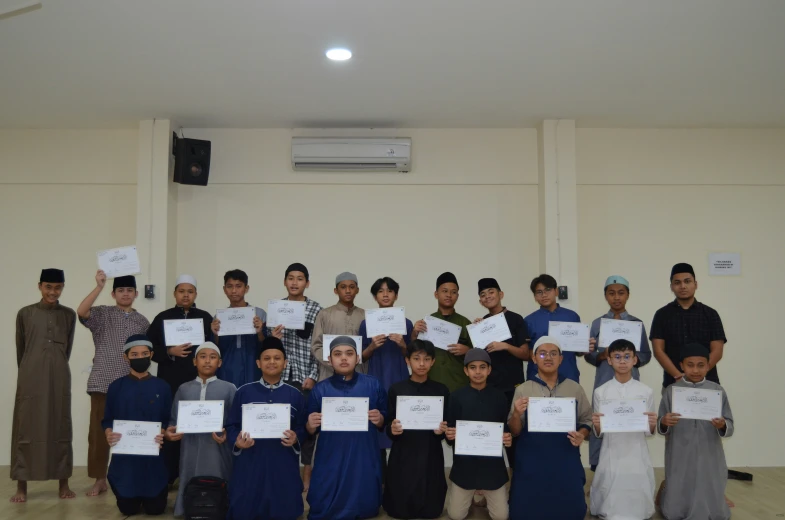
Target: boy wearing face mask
[(138, 482)]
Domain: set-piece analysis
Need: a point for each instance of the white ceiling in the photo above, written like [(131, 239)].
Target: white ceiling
[(417, 63)]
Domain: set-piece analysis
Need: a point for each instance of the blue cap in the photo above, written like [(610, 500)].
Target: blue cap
[(617, 279)]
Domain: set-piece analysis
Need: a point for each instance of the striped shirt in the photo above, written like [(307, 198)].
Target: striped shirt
[(111, 326)]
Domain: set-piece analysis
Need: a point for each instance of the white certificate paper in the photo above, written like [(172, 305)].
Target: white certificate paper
[(611, 330), (624, 415), (573, 337), (328, 338), (441, 333), (200, 416), (266, 420), (489, 330), (482, 439), (119, 262), (290, 314), (697, 403), (420, 412), (551, 414), (138, 438), (179, 332), (390, 320), (344, 414), (236, 321)]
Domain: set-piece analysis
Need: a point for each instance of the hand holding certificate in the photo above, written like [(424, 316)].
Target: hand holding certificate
[(697, 403), (266, 421), (180, 332), (119, 262), (551, 414), (345, 414), (624, 415), (200, 416), (386, 321), (573, 337), (441, 333), (236, 321), (137, 438), (328, 338), (489, 330), (290, 314), (420, 413), (482, 439), (611, 330)]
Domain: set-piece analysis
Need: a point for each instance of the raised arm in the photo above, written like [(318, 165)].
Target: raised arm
[(84, 308)]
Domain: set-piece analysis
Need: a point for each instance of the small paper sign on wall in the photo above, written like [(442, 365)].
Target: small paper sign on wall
[(724, 264)]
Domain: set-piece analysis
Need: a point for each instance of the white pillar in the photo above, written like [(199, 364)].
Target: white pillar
[(558, 205), (156, 215)]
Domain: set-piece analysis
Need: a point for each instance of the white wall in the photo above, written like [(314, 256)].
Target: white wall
[(648, 199), (63, 196), (469, 206)]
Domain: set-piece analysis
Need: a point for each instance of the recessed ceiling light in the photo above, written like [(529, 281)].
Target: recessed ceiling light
[(339, 54)]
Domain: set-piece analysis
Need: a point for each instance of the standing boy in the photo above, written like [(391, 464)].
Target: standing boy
[(202, 454), (544, 290), (695, 468), (301, 369), (477, 402), (342, 318), (347, 470), (266, 479), (238, 352), (415, 486), (111, 326), (617, 292), (138, 482), (448, 366), (41, 436), (623, 486), (175, 363), (543, 458)]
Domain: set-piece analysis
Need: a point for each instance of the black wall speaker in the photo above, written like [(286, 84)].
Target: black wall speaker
[(191, 161)]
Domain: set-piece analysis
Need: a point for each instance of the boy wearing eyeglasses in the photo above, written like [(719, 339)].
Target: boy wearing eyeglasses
[(544, 290), (623, 486), (617, 292)]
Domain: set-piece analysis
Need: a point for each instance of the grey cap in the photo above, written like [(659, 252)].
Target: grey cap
[(346, 276), (341, 341), (476, 354)]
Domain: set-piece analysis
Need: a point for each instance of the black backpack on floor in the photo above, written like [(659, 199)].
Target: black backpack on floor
[(206, 498)]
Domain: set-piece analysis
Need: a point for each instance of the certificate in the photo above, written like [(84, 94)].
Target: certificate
[(489, 330), (119, 262), (623, 415), (328, 338), (420, 413), (551, 414), (441, 333), (573, 337), (344, 414), (200, 416), (288, 313), (138, 438), (696, 403), (482, 439), (179, 332), (236, 321), (390, 320), (611, 330), (266, 421)]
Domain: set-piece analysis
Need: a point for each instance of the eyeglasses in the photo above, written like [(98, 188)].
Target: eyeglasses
[(625, 357), (543, 292), (553, 355)]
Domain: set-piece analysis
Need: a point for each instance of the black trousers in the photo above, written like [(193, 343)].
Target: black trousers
[(134, 505), (172, 460), (306, 445)]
